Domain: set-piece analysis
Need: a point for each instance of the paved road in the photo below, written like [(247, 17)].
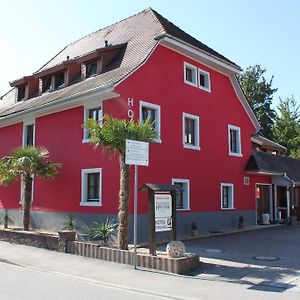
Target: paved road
[(282, 242), (38, 273), (234, 257)]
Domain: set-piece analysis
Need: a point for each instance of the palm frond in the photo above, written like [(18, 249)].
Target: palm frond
[(113, 132)]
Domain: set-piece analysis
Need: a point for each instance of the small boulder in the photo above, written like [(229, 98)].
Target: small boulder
[(175, 249)]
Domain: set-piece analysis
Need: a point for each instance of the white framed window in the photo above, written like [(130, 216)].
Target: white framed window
[(28, 136), (91, 187), (204, 80), (190, 74), (22, 92), (190, 131), (246, 180), (182, 197), (22, 194), (227, 196), (91, 68), (91, 112), (59, 80), (151, 112), (234, 141)]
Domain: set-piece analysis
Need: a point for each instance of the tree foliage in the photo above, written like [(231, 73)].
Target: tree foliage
[(25, 163), (286, 130), (111, 136), (259, 92)]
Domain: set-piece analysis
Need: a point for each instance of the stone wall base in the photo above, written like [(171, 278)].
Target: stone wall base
[(50, 241)]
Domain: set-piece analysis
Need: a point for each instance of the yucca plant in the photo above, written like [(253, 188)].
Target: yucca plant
[(25, 163), (6, 220), (104, 231)]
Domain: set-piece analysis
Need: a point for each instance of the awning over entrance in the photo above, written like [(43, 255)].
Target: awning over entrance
[(276, 166)]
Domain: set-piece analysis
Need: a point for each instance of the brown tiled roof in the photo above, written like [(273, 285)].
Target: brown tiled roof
[(139, 32), (175, 31), (270, 163), (264, 142)]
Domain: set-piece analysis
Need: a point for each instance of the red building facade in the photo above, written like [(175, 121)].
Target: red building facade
[(203, 121)]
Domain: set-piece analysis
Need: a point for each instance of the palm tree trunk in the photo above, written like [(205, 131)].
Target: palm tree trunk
[(27, 201), (123, 204)]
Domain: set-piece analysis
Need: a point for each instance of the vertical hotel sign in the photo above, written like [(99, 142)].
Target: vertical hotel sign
[(163, 212)]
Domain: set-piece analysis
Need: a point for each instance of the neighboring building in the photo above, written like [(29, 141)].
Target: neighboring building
[(147, 68), (281, 198), (260, 143)]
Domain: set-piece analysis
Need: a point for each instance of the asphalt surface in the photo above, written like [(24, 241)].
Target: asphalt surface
[(266, 258), (228, 272), (281, 242)]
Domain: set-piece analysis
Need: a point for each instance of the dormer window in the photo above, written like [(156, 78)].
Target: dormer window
[(46, 84), (91, 69), (59, 80), (22, 92)]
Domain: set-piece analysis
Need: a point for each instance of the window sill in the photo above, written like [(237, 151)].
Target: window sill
[(90, 203), (191, 83), (226, 209), (235, 154), (204, 89), (183, 209), (85, 141), (187, 146)]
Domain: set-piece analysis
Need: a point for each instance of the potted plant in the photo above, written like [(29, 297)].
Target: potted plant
[(6, 220), (103, 232), (194, 229), (241, 222)]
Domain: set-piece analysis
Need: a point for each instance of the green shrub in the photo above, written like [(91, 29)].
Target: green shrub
[(70, 223), (6, 219)]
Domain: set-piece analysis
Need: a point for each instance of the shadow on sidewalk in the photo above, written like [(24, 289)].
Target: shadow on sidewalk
[(271, 279)]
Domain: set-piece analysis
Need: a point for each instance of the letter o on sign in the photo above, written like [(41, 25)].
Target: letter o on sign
[(130, 113)]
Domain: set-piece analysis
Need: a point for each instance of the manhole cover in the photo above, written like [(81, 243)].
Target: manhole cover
[(265, 258), (213, 250)]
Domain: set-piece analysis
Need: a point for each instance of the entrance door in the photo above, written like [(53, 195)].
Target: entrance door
[(282, 203), (262, 201)]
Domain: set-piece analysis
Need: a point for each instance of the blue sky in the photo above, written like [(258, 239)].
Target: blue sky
[(248, 32)]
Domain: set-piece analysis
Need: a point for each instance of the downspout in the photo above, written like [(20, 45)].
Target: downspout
[(288, 196), (293, 183)]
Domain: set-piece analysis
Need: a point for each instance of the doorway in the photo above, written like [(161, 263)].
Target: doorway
[(262, 195)]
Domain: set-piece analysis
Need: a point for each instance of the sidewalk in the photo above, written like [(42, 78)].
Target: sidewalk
[(198, 286)]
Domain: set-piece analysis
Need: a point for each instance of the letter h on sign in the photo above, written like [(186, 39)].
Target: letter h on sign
[(130, 111)]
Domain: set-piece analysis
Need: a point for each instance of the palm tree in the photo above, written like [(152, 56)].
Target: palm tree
[(26, 163), (111, 136)]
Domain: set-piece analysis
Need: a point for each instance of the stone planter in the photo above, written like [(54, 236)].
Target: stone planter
[(265, 219), (163, 263), (194, 232)]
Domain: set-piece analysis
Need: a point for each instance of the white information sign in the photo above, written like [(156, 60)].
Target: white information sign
[(137, 153), (163, 224), (163, 212)]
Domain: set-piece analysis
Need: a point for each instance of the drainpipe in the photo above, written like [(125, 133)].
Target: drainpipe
[(288, 200), (293, 184)]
